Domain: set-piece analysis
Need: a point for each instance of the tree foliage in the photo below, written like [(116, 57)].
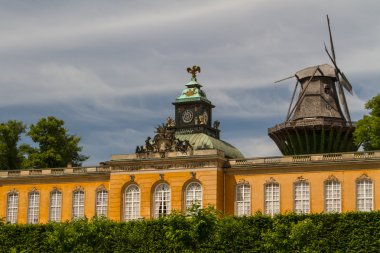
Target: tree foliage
[(10, 133), (56, 148), (201, 231), (367, 130)]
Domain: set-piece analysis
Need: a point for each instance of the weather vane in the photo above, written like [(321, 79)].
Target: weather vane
[(193, 71)]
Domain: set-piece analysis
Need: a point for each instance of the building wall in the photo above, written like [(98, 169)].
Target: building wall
[(44, 189), (316, 176), (218, 182)]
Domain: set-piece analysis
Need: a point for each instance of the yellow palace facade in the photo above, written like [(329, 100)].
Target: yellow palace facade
[(187, 163)]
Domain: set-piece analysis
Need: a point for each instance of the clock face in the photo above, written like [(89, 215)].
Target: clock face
[(187, 116)]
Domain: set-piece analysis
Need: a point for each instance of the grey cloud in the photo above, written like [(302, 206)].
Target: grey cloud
[(108, 66)]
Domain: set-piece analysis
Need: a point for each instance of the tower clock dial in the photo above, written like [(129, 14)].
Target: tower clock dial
[(187, 116)]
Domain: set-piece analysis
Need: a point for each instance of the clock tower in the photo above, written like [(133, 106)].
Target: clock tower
[(193, 111)]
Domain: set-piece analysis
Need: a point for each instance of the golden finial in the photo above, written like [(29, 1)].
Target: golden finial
[(193, 71)]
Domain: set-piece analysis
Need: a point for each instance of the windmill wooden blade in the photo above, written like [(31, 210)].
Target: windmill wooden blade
[(331, 40), (346, 84), (286, 78)]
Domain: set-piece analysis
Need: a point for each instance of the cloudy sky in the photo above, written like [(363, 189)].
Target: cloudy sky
[(111, 69)]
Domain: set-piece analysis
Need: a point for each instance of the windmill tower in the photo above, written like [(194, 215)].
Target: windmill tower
[(316, 123)]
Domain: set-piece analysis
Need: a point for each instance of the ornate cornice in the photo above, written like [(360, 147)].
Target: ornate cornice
[(78, 188), (332, 178), (242, 181), (364, 176), (101, 188), (271, 180)]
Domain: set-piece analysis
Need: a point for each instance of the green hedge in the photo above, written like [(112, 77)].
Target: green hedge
[(203, 231)]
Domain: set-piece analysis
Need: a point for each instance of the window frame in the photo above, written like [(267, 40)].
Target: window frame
[(14, 208), (303, 198), (364, 178), (75, 207), (332, 199), (33, 215), (185, 199), (154, 200), (272, 201), (103, 206), (244, 200), (58, 206), (132, 202)]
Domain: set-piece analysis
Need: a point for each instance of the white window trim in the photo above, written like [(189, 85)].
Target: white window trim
[(58, 206), (14, 209), (193, 195), (333, 199), (245, 201), (272, 212), (102, 207), (168, 208), (33, 216), (77, 207), (133, 201), (303, 198), (372, 193)]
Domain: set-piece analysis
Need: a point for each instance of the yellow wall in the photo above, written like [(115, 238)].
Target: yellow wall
[(218, 187), (286, 177), (44, 189), (176, 180)]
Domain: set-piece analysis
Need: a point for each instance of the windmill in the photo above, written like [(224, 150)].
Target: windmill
[(316, 122)]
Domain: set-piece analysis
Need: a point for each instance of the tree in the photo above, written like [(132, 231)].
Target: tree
[(56, 148), (367, 130), (10, 155)]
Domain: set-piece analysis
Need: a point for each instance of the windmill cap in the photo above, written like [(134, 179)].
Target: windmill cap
[(323, 70)]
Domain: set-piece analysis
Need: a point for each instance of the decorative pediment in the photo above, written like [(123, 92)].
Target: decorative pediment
[(271, 180), (13, 191), (101, 188), (78, 188), (242, 181), (332, 178), (301, 179), (34, 189), (56, 189), (363, 177)]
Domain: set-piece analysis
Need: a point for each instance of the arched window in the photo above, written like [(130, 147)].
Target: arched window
[(272, 198), (78, 203), (302, 197), (33, 207), (193, 195), (55, 205), (12, 207), (332, 196), (243, 199), (161, 200), (364, 194), (132, 202), (101, 202)]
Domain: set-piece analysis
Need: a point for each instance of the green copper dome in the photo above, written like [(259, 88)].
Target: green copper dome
[(192, 92), (204, 141)]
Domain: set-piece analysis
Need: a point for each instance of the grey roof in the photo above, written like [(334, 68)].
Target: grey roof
[(203, 141), (324, 70)]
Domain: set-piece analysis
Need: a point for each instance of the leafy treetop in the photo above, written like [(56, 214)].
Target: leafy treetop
[(367, 130), (56, 148)]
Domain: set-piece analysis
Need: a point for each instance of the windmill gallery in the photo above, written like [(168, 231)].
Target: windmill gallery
[(187, 163)]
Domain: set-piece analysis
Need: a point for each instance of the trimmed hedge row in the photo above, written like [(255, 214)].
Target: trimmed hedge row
[(203, 231)]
